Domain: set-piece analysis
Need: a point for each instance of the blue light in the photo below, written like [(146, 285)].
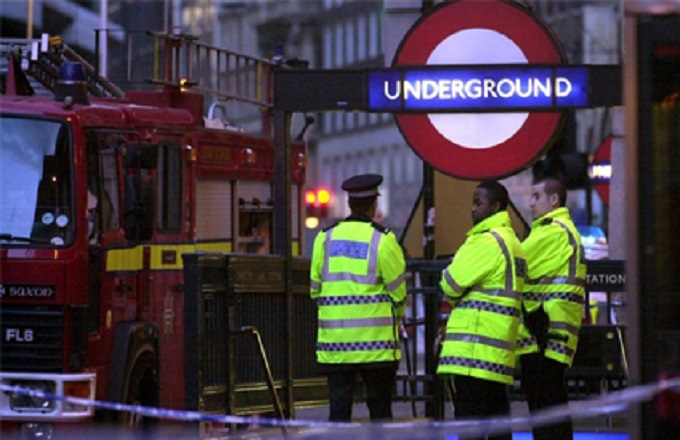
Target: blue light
[(70, 73)]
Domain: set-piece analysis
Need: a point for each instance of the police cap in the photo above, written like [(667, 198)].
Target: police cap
[(362, 185)]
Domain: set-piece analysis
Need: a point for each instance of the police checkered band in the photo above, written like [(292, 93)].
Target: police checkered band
[(532, 296), (558, 347), (525, 342), (489, 307), (353, 299), (356, 346), (478, 364), (565, 296)]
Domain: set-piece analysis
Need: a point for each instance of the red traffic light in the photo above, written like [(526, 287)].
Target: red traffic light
[(310, 197), (316, 202), (323, 196)]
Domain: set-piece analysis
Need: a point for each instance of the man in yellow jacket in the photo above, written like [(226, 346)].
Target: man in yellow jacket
[(358, 283), (552, 303), (483, 284)]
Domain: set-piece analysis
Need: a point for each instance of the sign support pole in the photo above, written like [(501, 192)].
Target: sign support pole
[(282, 236)]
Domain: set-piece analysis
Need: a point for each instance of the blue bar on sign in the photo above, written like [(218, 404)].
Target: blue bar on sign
[(459, 89)]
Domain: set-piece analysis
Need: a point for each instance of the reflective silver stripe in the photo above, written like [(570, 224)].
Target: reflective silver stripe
[(508, 261), (373, 255), (560, 325), (327, 253), (558, 280), (315, 285), (371, 278), (394, 285), (450, 281), (356, 323), (477, 339), (497, 292), (573, 260)]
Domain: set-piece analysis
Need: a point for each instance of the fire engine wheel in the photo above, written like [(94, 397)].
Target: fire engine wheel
[(142, 389)]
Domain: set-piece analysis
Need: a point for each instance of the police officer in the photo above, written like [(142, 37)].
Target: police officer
[(483, 284), (357, 280), (552, 303)]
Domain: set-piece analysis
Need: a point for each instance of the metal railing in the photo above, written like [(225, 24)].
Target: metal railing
[(233, 293)]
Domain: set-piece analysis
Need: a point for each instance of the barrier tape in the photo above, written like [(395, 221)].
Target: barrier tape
[(613, 402)]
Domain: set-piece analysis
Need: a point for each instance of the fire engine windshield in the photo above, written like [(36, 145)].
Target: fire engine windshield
[(36, 183)]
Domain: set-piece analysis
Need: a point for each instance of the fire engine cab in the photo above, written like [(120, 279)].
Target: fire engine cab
[(101, 193)]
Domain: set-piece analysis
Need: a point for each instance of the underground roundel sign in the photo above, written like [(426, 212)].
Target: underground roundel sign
[(480, 144)]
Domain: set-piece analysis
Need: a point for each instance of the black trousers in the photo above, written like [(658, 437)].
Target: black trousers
[(379, 382), (478, 398), (544, 385)]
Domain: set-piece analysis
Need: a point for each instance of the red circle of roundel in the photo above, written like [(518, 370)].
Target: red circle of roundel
[(539, 46), (604, 154)]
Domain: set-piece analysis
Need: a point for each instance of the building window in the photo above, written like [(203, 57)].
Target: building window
[(411, 162), (351, 120), (373, 35), (169, 176), (327, 123), (339, 126), (386, 169), (349, 42), (339, 49), (397, 166), (328, 48), (361, 38)]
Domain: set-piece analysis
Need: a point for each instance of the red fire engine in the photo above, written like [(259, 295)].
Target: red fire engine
[(101, 194)]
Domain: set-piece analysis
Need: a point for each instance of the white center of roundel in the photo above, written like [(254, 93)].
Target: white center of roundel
[(477, 130)]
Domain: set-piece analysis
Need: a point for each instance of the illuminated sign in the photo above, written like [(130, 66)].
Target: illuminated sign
[(490, 141), (486, 88), (600, 172), (600, 169)]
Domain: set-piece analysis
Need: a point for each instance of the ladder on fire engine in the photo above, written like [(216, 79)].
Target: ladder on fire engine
[(182, 60), (41, 60)]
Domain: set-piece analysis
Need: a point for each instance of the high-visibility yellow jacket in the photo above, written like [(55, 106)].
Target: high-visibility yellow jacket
[(556, 279), (483, 283), (358, 282)]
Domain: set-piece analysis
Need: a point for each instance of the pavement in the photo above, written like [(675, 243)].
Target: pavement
[(411, 425)]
